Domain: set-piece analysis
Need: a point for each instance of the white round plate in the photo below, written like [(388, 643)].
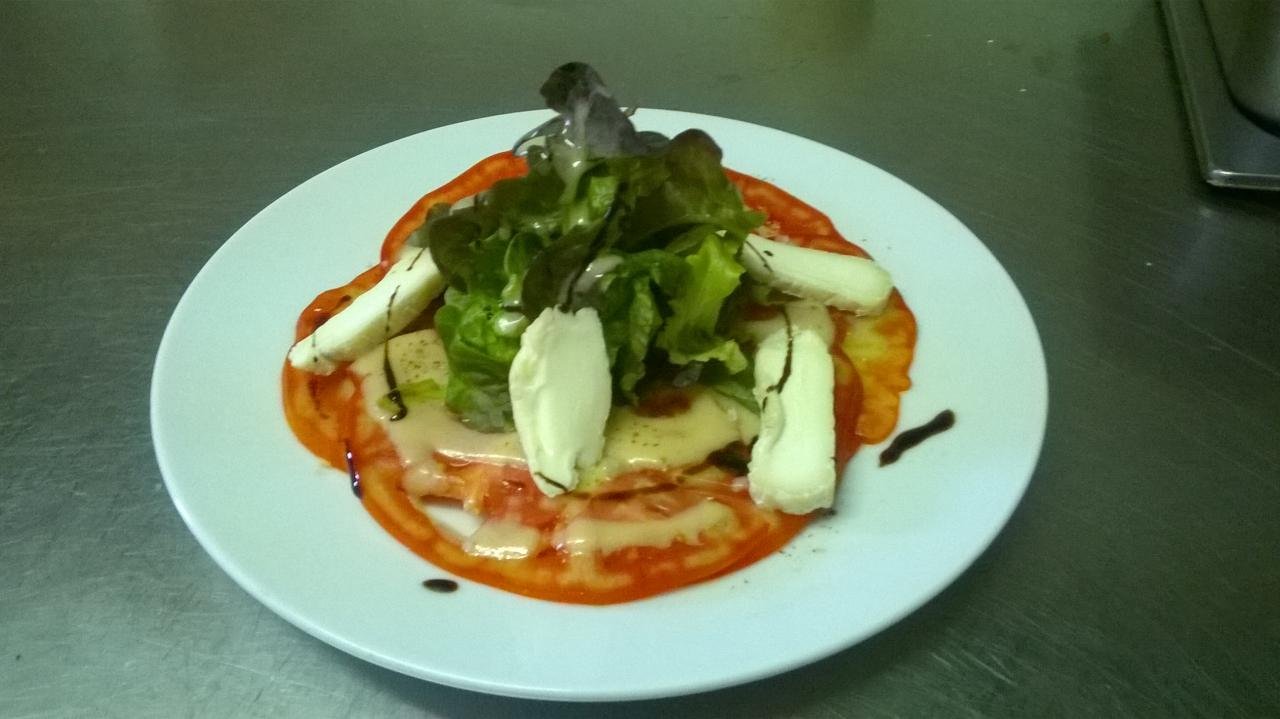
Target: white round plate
[(288, 530)]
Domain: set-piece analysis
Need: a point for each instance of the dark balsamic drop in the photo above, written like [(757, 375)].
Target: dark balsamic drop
[(441, 586), (912, 437), (352, 471)]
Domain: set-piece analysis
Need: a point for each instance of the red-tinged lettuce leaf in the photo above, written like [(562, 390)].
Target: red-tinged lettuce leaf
[(589, 116), (695, 192)]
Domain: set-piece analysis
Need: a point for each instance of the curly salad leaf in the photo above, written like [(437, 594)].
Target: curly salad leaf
[(643, 229)]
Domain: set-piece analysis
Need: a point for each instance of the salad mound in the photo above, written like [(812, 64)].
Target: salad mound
[(532, 319), (644, 230)]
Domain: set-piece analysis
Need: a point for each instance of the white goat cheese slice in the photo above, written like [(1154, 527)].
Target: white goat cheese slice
[(792, 465), (373, 317), (845, 282), (561, 394)]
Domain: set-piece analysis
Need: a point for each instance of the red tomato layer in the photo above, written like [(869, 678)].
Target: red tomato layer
[(326, 414)]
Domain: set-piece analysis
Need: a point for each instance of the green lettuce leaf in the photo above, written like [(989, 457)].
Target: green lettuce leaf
[(516, 260), (479, 360), (596, 199), (630, 312), (690, 334), (738, 387)]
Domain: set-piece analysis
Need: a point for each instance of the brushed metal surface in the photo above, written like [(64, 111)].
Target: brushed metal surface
[(1139, 577)]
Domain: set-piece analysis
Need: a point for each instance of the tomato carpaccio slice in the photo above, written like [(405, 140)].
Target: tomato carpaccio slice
[(871, 357)]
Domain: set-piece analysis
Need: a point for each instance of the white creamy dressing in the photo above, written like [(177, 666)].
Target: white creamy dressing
[(632, 442), (585, 535), (503, 539), (599, 267), (429, 427)]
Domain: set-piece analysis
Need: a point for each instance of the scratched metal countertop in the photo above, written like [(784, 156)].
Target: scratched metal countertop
[(1141, 574)]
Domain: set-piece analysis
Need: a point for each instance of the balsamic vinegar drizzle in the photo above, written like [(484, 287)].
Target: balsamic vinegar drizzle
[(786, 363), (351, 470), (760, 256), (551, 482), (441, 586), (911, 437), (402, 410)]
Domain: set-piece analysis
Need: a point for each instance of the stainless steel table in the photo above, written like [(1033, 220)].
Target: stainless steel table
[(1140, 576)]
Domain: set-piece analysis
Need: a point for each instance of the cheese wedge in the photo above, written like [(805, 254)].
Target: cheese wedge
[(561, 393), (845, 282), (373, 317)]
